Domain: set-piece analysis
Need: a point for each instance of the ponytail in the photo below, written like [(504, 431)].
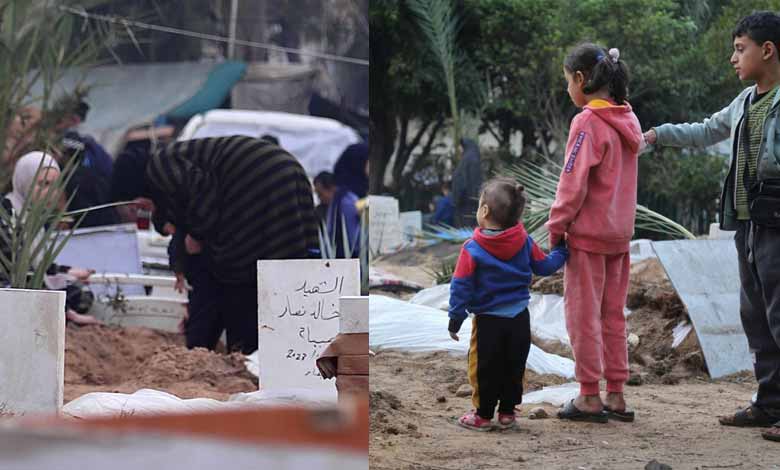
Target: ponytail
[(602, 69)]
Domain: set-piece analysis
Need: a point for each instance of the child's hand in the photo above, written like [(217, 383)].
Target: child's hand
[(650, 137), (454, 336), (192, 246), (180, 285)]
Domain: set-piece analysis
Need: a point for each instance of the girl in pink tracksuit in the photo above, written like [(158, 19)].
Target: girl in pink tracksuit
[(594, 211)]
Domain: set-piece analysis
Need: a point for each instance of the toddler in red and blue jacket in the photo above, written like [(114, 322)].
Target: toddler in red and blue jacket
[(491, 280)]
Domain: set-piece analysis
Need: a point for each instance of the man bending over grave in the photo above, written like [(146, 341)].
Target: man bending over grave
[(238, 200)]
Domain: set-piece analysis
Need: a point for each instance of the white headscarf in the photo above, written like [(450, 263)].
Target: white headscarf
[(24, 176)]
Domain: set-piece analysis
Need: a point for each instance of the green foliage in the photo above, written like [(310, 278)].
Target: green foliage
[(443, 272), (34, 240)]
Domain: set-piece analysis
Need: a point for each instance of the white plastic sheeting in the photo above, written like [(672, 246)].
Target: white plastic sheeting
[(316, 142), (548, 319), (556, 395), (435, 297), (680, 332), (149, 402), (396, 324)]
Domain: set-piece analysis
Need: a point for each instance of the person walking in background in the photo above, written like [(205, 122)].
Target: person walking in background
[(466, 184)]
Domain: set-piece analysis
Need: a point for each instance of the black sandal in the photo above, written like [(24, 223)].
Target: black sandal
[(571, 412), (750, 417), (624, 416), (772, 434)]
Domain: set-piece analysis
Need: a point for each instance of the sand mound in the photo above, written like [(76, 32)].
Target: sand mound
[(116, 359)]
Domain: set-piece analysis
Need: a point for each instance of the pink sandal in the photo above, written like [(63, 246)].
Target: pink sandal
[(473, 421), (506, 421)]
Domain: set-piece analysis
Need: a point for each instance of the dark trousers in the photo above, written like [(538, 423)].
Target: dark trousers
[(205, 325), (497, 356), (238, 304), (759, 303), (216, 306)]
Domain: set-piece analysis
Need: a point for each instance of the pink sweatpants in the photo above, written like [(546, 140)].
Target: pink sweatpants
[(595, 289)]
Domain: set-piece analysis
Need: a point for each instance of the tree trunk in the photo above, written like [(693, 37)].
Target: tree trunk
[(383, 131)]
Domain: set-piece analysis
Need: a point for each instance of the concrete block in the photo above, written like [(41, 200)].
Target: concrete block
[(353, 315), (150, 312), (32, 351)]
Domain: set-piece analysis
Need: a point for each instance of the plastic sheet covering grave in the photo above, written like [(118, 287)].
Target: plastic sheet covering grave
[(705, 274)]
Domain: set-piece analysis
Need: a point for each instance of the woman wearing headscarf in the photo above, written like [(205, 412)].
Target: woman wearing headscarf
[(352, 185), (466, 184), (238, 200), (27, 185)]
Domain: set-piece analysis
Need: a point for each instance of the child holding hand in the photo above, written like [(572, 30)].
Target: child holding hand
[(491, 281)]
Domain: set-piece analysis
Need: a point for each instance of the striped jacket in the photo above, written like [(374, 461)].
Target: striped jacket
[(245, 199)]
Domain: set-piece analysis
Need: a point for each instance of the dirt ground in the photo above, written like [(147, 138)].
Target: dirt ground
[(115, 359), (414, 405), (414, 408)]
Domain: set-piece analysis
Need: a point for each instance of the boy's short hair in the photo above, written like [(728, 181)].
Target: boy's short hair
[(506, 200), (326, 179), (760, 26)]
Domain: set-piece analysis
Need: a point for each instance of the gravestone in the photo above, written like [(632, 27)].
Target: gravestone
[(384, 230), (109, 249), (298, 316), (354, 315), (32, 351), (411, 226)]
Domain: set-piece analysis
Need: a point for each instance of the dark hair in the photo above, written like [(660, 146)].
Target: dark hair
[(601, 69), (326, 179), (760, 26), (270, 138), (505, 199)]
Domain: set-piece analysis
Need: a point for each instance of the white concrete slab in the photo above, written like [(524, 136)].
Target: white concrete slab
[(151, 312), (353, 315), (32, 351), (298, 315)]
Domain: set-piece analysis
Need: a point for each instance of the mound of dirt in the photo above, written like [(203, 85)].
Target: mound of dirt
[(115, 359)]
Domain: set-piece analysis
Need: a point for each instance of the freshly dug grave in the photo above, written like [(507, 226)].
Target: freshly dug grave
[(102, 358)]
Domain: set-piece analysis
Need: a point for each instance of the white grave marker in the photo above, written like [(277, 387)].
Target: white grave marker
[(411, 223), (298, 316), (354, 315), (384, 229), (32, 351)]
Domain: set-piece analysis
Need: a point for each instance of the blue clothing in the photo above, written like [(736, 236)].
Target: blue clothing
[(343, 211), (493, 274), (445, 211)]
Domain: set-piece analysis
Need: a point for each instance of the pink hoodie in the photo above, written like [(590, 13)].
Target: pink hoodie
[(595, 203)]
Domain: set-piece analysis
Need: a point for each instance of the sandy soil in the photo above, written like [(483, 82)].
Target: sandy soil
[(414, 408), (114, 359), (414, 404)]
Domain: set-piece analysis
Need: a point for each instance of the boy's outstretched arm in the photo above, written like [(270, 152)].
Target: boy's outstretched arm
[(461, 290), (544, 265), (712, 130)]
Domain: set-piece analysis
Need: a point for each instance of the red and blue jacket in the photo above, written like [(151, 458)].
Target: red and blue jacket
[(494, 271)]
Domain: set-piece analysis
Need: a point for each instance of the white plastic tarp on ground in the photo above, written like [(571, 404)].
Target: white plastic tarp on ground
[(396, 324), (149, 402), (556, 395), (316, 142), (548, 320), (705, 274)]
